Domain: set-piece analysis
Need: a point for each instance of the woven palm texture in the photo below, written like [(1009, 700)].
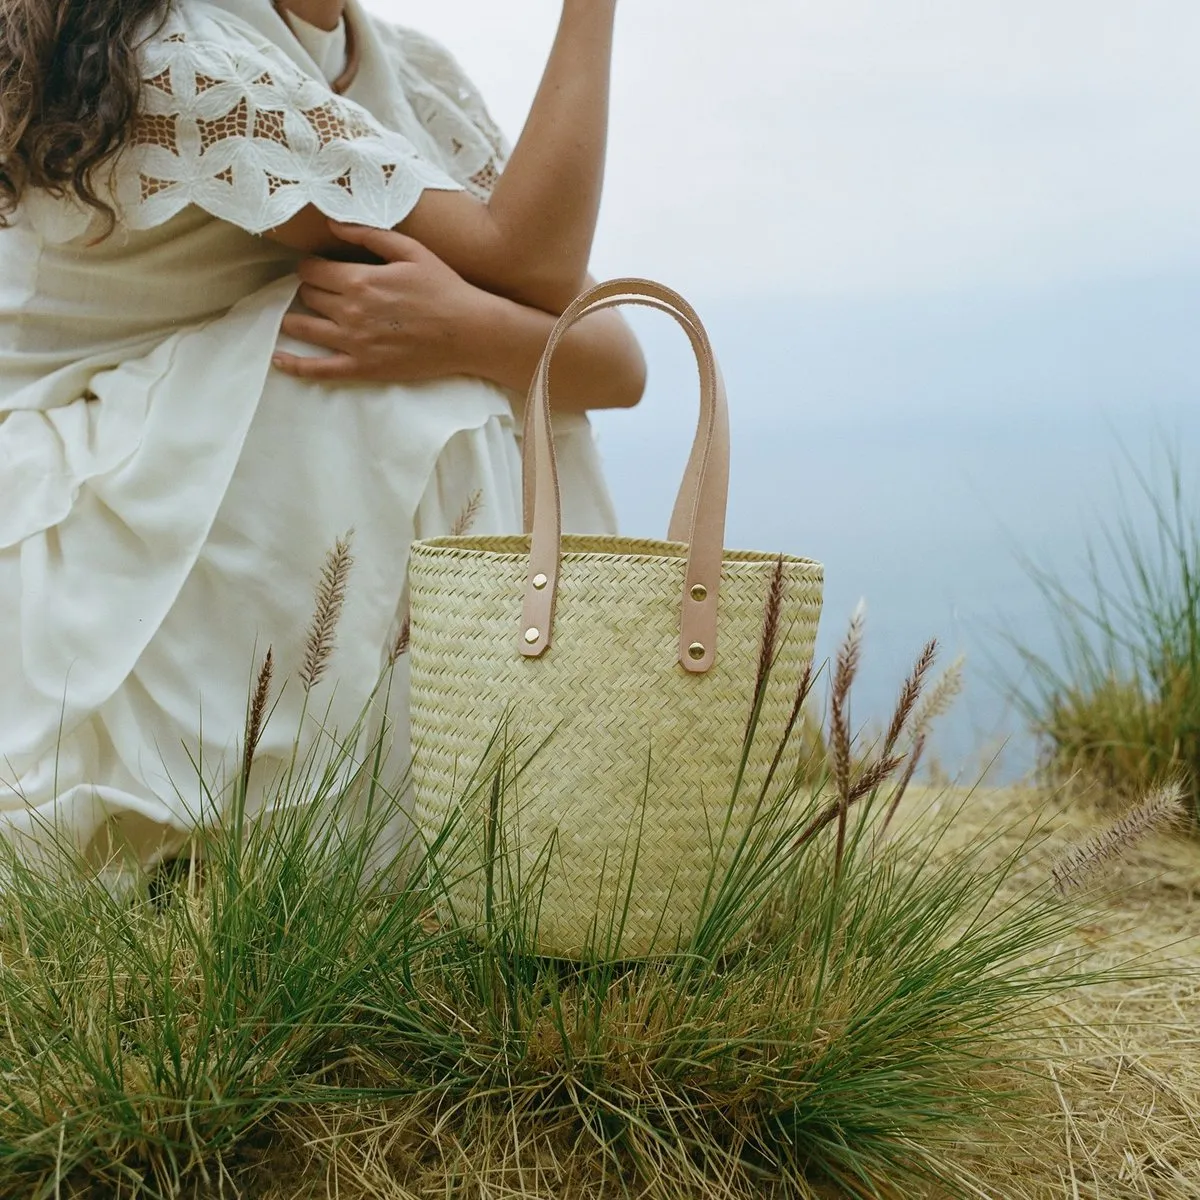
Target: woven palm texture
[(623, 751), (591, 766)]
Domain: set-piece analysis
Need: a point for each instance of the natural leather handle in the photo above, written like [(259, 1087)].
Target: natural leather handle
[(699, 515)]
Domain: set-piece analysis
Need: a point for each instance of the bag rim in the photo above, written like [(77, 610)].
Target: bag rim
[(582, 547)]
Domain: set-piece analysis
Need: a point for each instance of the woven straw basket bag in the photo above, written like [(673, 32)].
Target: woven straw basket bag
[(615, 677)]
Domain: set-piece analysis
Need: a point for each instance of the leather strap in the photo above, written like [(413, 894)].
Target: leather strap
[(699, 515)]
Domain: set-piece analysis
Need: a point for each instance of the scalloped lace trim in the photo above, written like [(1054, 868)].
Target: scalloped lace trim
[(252, 140), (451, 108)]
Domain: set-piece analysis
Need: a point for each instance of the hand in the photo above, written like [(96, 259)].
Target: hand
[(410, 318)]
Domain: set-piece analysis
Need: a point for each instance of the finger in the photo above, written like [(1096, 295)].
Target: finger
[(329, 367), (327, 275), (327, 304), (384, 243), (316, 331)]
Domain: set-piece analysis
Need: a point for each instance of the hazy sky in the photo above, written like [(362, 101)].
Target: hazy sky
[(982, 221), (876, 145)]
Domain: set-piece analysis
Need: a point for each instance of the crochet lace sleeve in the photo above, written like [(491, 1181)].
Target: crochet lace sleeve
[(450, 106), (242, 133)]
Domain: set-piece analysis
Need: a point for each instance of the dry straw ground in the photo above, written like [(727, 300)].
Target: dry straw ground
[(1112, 1098), (1114, 1113), (234, 1034), (1120, 1116)]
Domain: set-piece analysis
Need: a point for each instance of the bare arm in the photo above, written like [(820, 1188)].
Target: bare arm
[(598, 364), (532, 240), (413, 318)]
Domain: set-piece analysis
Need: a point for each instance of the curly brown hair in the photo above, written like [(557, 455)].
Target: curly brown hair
[(69, 92)]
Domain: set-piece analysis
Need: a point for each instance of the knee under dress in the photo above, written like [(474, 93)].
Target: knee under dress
[(167, 500)]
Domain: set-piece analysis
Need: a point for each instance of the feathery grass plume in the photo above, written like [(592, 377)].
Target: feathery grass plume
[(258, 713), (845, 670), (331, 596), (838, 809), (770, 633), (910, 693), (1161, 808), (400, 645), (844, 673), (939, 699), (803, 689), (467, 518), (909, 703), (873, 776), (766, 651)]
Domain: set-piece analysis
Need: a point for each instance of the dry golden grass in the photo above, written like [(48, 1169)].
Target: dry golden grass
[(1114, 1110), (276, 1034), (1119, 1115), (1120, 735)]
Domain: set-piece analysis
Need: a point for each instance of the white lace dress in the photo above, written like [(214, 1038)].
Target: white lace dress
[(167, 500)]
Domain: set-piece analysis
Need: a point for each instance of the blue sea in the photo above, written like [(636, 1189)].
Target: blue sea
[(927, 450)]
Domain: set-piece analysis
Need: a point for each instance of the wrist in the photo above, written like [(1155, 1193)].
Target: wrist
[(487, 331)]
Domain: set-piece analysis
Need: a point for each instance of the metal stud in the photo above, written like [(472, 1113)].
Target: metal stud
[(696, 651), (532, 635), (540, 581), (699, 592)]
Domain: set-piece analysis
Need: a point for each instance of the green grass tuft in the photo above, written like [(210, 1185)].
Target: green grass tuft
[(854, 1006), (1118, 705)]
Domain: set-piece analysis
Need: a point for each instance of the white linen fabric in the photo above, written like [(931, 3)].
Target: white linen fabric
[(167, 500), (326, 47)]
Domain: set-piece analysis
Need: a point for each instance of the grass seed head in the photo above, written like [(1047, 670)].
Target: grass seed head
[(258, 713), (910, 693), (401, 644), (939, 699), (845, 671), (1160, 809), (327, 612), (465, 521)]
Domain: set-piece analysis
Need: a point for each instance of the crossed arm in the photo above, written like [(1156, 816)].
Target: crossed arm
[(473, 287), (531, 240), (414, 318)]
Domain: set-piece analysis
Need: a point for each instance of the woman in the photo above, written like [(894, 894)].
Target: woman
[(175, 466)]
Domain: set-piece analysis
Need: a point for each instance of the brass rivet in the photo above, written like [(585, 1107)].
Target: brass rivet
[(540, 581), (532, 635), (699, 592), (696, 650)]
